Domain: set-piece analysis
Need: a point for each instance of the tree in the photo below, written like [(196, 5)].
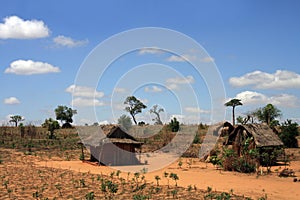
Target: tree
[(51, 125), (65, 114), (289, 131), (233, 103), (125, 122), (134, 107), (268, 114), (156, 110), (16, 119), (174, 125)]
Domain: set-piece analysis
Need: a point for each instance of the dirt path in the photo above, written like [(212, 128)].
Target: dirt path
[(203, 175)]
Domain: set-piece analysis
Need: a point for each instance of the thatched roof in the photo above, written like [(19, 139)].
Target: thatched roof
[(263, 135), (107, 134)]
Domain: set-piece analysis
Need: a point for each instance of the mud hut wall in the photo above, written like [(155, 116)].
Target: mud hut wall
[(118, 154)]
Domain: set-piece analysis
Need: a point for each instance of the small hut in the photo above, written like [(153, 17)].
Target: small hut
[(117, 147), (262, 136)]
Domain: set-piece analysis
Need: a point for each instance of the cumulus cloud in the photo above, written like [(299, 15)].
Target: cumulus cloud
[(11, 101), (82, 91), (153, 88), (83, 102), (29, 67), (68, 42), (281, 79), (150, 50), (17, 28), (195, 110), (183, 58), (120, 90), (173, 83), (254, 98)]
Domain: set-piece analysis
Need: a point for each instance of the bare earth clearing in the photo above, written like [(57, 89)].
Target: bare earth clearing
[(42, 176), (203, 175)]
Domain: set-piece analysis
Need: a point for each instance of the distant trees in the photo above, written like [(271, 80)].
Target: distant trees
[(268, 114), (125, 122), (51, 125), (134, 106), (16, 119), (65, 114), (289, 131), (233, 103), (156, 110)]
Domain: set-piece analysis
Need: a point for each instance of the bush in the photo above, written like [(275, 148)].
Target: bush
[(288, 134), (174, 125)]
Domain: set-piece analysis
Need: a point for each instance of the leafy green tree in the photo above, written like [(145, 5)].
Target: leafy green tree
[(125, 122), (233, 103), (268, 114), (51, 125), (156, 110), (65, 114), (16, 119), (134, 106), (288, 134), (174, 125)]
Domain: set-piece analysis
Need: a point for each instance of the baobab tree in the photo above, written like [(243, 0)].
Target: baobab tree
[(233, 103)]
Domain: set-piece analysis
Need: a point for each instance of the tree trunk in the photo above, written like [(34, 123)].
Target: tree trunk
[(134, 119), (233, 116)]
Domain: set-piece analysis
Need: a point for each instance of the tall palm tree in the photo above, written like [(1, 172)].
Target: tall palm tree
[(233, 103)]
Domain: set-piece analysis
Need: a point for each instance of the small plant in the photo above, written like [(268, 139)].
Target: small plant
[(180, 163), (90, 196), (157, 178), (166, 175), (58, 187), (174, 177), (189, 188), (82, 183), (174, 193), (81, 157), (140, 197)]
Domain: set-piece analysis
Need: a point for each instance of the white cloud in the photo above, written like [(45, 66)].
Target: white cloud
[(150, 50), (105, 122), (144, 101), (183, 58), (195, 110), (83, 102), (181, 80), (172, 83), (17, 28), (82, 91), (281, 79), (120, 90), (11, 101), (29, 67), (68, 42), (254, 98), (154, 88), (208, 59)]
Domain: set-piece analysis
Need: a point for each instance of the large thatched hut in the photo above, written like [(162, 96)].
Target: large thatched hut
[(114, 146), (261, 135)]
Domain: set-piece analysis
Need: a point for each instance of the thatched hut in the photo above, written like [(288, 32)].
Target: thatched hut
[(117, 147), (262, 137)]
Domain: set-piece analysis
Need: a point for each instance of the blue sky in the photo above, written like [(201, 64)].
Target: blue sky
[(254, 44)]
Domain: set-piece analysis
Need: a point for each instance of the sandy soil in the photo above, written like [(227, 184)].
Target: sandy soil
[(203, 175)]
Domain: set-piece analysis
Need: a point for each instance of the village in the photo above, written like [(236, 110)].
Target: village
[(156, 161)]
